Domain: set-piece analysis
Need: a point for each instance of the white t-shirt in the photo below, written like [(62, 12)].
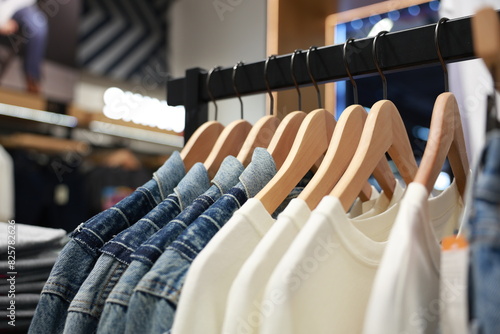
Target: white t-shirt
[(405, 293), (212, 272), (244, 310), (359, 207), (323, 282), (382, 203)]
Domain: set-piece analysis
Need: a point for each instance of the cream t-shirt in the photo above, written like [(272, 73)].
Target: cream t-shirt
[(405, 293), (244, 310), (212, 272), (323, 282), (359, 207)]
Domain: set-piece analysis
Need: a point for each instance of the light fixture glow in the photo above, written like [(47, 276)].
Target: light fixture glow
[(143, 110)]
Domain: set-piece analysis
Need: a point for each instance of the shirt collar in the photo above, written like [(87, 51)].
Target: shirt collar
[(167, 175), (258, 173), (228, 173)]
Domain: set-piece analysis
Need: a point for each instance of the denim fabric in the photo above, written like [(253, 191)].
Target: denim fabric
[(78, 257), (153, 303), (86, 308), (192, 185), (115, 309), (484, 238)]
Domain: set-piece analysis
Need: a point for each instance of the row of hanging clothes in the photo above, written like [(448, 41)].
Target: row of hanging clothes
[(274, 228)]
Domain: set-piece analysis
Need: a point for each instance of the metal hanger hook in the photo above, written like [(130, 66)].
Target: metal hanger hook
[(438, 49), (268, 86), (377, 65), (235, 68), (292, 70), (209, 76), (311, 75), (346, 64)]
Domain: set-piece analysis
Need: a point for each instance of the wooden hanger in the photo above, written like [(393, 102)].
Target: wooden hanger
[(229, 142), (232, 137), (342, 146), (310, 143), (260, 135), (446, 138), (283, 139), (200, 144), (383, 132), (344, 142)]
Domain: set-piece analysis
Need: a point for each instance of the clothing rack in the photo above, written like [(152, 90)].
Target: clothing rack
[(396, 51)]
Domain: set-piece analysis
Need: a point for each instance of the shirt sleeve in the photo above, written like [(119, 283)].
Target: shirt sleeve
[(9, 7)]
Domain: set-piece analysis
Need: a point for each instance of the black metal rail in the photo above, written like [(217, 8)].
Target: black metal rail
[(396, 51)]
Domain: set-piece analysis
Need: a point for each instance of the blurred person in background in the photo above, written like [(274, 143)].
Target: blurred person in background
[(26, 26)]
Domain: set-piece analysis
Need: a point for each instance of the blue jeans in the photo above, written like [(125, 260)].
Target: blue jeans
[(115, 309), (79, 256), (157, 294), (33, 29), (484, 238)]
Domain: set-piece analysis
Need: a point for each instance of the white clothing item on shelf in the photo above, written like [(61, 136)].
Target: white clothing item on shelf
[(30, 237), (323, 282), (6, 186), (212, 272), (405, 293)]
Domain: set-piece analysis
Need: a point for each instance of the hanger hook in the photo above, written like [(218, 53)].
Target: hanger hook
[(235, 68), (438, 49), (375, 60), (210, 94), (268, 86), (346, 64), (292, 70), (311, 76)]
